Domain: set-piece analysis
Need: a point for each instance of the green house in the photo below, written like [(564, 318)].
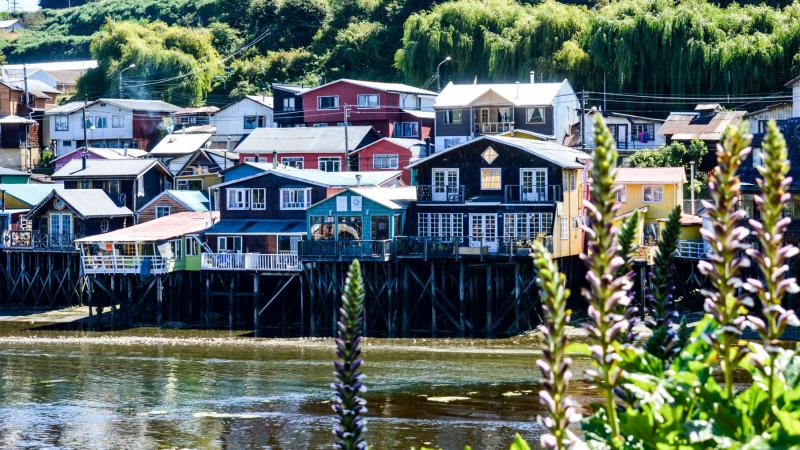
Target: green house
[(11, 176), (356, 222)]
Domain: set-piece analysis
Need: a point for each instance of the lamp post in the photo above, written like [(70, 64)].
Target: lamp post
[(438, 83), (120, 77)]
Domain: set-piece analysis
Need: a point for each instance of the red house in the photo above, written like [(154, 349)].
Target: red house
[(324, 148), (390, 154), (393, 109)]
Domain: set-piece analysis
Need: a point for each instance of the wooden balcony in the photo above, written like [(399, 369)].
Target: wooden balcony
[(514, 193), (256, 262), (693, 249), (465, 246), (131, 265), (35, 241), (427, 193), (332, 250)]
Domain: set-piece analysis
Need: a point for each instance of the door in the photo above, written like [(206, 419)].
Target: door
[(380, 228), (61, 224), (483, 231), (533, 185), (445, 185)]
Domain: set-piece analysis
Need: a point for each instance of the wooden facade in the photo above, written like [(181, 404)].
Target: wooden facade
[(171, 202)]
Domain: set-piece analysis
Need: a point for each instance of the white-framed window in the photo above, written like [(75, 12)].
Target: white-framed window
[(192, 246), (253, 122), (448, 225), (527, 225), (383, 162), (329, 164), (643, 132), (61, 223), (84, 184), (622, 194), (295, 198), (406, 129), (452, 116), (320, 125), (229, 244), (369, 101), (451, 142), (258, 198), (238, 198), (341, 124), (102, 122), (116, 121), (288, 104), (182, 185), (564, 228), (62, 122), (757, 161), (162, 211), (328, 102), (293, 161), (491, 179), (535, 115), (251, 159), (653, 194), (576, 222)]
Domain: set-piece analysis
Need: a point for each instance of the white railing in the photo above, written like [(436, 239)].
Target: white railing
[(154, 265), (696, 249), (495, 127), (272, 262)]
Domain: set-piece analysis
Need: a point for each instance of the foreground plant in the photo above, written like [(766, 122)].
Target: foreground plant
[(772, 257), (348, 404), (608, 293), (725, 302), (554, 365)]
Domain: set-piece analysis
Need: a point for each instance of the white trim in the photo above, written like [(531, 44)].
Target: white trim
[(358, 98), (659, 187), (497, 170), (307, 199), (386, 155), (328, 109), (239, 206), (253, 199)]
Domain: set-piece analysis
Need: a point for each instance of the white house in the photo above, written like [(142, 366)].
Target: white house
[(757, 120), (11, 26), (111, 123), (61, 75), (235, 121), (630, 132)]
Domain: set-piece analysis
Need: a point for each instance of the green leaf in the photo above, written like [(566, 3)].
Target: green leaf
[(578, 348), (519, 443)]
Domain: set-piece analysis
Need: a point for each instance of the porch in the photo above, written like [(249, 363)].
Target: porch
[(533, 193), (439, 193), (466, 246), (131, 265), (693, 249), (345, 250), (257, 262), (38, 242)]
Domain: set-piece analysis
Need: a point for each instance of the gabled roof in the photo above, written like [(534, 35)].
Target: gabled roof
[(390, 197), (774, 106), (260, 99), (625, 116), (16, 120), (31, 194), (557, 154), (414, 145), (679, 125), (517, 94), (304, 140), (108, 153), (320, 177), (197, 110), (66, 108), (108, 168), (161, 229), (156, 106), (195, 201), (9, 171), (180, 143), (86, 203), (293, 88), (648, 175), (8, 23), (398, 88)]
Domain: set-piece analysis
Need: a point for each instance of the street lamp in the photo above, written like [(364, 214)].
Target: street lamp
[(438, 83), (120, 77)]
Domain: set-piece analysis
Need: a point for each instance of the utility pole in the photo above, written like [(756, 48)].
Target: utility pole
[(85, 141), (346, 149), (25, 83), (583, 125), (120, 77)]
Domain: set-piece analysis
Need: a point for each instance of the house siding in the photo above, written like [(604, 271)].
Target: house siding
[(149, 213), (369, 209), (230, 120), (285, 118), (272, 184), (366, 158)]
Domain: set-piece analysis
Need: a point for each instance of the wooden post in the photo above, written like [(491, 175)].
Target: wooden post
[(230, 305), (208, 301), (302, 308), (159, 299), (404, 306), (433, 300), (461, 327), (256, 280), (127, 309), (489, 294), (89, 289), (517, 298)]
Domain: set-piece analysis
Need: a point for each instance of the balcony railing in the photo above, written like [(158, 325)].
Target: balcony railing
[(493, 127), (36, 241), (458, 246), (533, 193), (345, 250), (453, 193), (115, 264), (694, 249), (266, 262)]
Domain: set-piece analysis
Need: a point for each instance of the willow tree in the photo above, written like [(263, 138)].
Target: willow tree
[(171, 63)]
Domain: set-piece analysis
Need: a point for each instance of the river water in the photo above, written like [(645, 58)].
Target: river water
[(147, 388)]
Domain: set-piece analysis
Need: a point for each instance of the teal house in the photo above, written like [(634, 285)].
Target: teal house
[(356, 222), (11, 176)]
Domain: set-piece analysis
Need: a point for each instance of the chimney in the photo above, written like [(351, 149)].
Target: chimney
[(358, 179), (84, 156), (274, 160), (533, 77), (125, 148), (427, 146)]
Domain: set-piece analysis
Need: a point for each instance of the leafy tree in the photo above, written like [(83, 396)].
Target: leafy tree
[(225, 38), (359, 49), (297, 21), (60, 4)]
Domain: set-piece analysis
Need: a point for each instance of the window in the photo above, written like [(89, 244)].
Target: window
[(490, 179), (61, 223), (238, 198), (440, 225), (535, 115), (622, 194), (293, 161), (85, 184), (190, 185), (229, 244), (341, 124), (192, 247), (746, 204), (406, 129), (653, 194), (321, 227), (643, 132), (253, 122), (450, 142), (527, 225), (329, 164), (757, 161), (288, 104), (350, 228), (116, 121), (101, 122), (382, 162), (295, 198), (564, 228), (162, 211), (576, 222), (89, 123), (452, 116), (573, 180), (369, 101), (62, 122), (259, 198), (320, 125), (328, 102)]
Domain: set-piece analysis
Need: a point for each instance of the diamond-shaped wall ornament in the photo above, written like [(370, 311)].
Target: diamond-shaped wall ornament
[(489, 155)]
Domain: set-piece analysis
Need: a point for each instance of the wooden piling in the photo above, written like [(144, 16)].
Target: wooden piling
[(255, 304)]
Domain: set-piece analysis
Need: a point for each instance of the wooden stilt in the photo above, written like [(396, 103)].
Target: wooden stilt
[(90, 292), (434, 330), (208, 302), (230, 305), (461, 328), (489, 307), (255, 304), (159, 299)]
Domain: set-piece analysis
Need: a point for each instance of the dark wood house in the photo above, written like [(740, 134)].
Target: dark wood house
[(288, 104), (172, 202), (494, 194)]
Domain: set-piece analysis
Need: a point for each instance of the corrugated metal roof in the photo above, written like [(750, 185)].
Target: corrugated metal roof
[(321, 178), (141, 105), (32, 194), (92, 203), (262, 99), (180, 143), (16, 120), (291, 88), (679, 124), (162, 229), (9, 171), (303, 140), (8, 23), (197, 110), (420, 114), (518, 94), (194, 200), (55, 66), (648, 175), (387, 87), (105, 167), (258, 227), (66, 108), (109, 153), (390, 197)]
